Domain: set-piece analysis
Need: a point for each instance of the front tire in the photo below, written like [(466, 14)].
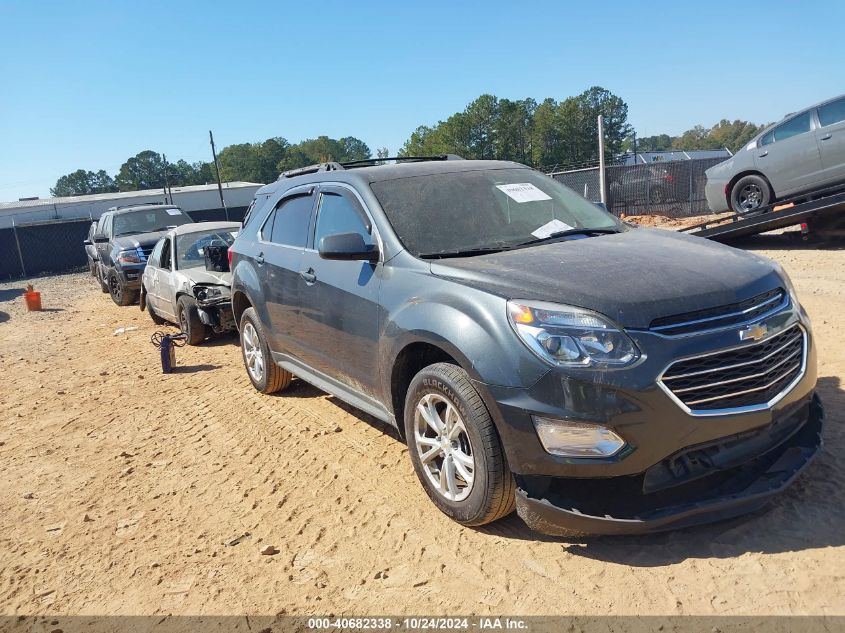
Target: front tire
[(455, 448), (120, 295), (750, 193), (189, 320), (264, 374)]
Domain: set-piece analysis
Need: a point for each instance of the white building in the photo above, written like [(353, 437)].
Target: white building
[(237, 196)]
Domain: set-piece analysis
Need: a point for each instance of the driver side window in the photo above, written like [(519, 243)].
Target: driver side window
[(338, 212)]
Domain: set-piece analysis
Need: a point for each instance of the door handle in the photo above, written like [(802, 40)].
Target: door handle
[(260, 259), (826, 137), (764, 154), (308, 276)]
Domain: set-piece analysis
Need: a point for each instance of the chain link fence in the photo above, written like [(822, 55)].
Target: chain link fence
[(670, 188), (56, 246)]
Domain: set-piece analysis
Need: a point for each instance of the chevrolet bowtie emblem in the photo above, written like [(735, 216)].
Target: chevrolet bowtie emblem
[(754, 333)]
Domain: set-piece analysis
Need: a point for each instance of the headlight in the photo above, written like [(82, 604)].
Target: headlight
[(206, 293), (567, 336), (129, 257)]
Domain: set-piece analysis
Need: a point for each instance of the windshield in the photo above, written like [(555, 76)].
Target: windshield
[(148, 221), (190, 248), (484, 209)]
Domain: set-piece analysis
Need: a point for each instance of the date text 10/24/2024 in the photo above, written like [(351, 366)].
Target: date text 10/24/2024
[(417, 623)]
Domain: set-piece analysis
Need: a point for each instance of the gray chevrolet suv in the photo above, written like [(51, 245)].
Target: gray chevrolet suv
[(532, 350)]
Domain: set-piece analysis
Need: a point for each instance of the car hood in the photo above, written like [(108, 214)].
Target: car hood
[(633, 277), (209, 277), (144, 240)]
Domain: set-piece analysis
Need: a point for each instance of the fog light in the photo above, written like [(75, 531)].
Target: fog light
[(577, 439)]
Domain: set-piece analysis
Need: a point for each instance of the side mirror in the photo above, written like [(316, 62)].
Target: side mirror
[(217, 258), (88, 242), (100, 239), (347, 247)]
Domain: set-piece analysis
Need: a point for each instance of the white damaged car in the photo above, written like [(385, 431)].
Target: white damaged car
[(187, 279)]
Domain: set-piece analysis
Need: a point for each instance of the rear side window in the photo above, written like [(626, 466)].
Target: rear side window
[(255, 209), (832, 113), (290, 222), (793, 127)]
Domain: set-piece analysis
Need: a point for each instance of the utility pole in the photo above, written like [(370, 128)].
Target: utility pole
[(164, 158), (634, 137), (217, 169), (602, 171)]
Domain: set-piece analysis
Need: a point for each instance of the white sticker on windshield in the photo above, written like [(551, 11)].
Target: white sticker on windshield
[(549, 228), (174, 211), (523, 192)]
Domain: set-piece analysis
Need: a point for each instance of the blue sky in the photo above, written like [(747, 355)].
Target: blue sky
[(88, 84)]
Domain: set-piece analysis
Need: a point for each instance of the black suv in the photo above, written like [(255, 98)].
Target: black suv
[(124, 239), (532, 350)]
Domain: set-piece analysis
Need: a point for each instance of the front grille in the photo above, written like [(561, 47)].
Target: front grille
[(721, 316), (748, 376), (145, 252)]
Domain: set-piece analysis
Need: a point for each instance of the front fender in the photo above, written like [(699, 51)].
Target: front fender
[(469, 325)]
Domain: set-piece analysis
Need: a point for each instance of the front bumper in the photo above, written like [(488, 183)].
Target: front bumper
[(563, 507), (714, 191), (217, 315), (130, 275)]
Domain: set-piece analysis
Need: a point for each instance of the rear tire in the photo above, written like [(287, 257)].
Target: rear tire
[(99, 275), (189, 320), (264, 374), (750, 193), (461, 463)]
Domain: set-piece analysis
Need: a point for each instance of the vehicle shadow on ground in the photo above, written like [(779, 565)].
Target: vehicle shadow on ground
[(301, 389), (10, 294), (789, 241), (221, 340), (193, 369), (4, 316), (809, 515)]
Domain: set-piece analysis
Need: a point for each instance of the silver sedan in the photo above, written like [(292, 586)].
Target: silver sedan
[(803, 153), (187, 279)]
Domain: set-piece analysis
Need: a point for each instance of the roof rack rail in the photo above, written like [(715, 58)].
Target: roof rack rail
[(311, 169), (137, 204), (398, 159)]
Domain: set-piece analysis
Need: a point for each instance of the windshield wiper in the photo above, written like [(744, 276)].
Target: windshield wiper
[(568, 232), (469, 252)]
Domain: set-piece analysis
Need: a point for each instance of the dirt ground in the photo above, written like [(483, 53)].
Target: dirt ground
[(126, 491)]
